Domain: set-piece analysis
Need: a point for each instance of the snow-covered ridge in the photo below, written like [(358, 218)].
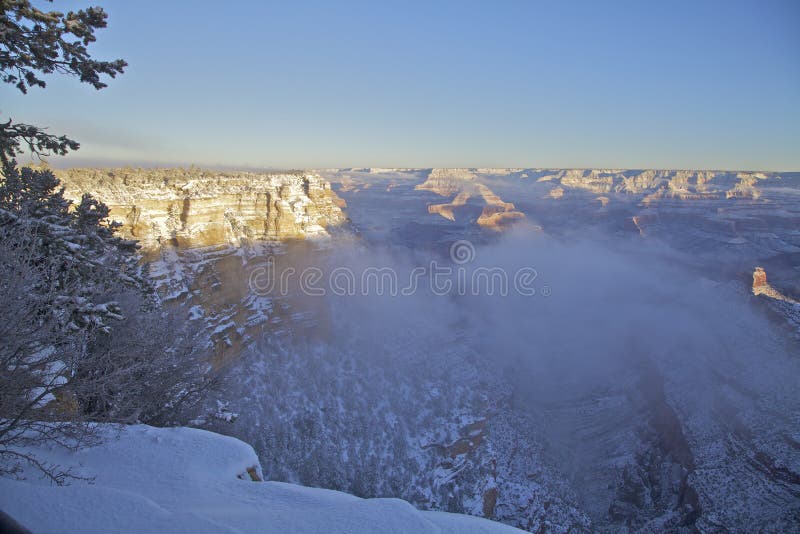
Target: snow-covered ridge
[(148, 479), (681, 184), (462, 186), (685, 184), (194, 207)]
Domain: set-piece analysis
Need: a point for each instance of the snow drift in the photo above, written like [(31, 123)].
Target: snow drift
[(146, 479)]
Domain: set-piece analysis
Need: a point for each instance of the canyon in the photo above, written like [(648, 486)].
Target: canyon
[(655, 389), (194, 208)]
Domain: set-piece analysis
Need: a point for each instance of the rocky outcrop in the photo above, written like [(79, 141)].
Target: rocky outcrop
[(462, 185), (447, 182), (759, 280), (762, 287), (667, 183), (195, 208), (659, 184)]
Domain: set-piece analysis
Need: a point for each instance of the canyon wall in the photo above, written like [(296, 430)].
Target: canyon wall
[(484, 196), (196, 208), (496, 214)]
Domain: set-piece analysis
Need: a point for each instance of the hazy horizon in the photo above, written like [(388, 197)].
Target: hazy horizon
[(519, 84), (77, 163)]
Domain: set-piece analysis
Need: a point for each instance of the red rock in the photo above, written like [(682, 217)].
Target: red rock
[(759, 278)]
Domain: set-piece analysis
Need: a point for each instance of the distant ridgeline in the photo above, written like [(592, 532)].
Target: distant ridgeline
[(192, 208), (468, 189), (196, 208)]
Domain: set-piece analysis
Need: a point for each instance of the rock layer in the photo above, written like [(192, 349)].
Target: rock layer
[(194, 208), (762, 287), (496, 213)]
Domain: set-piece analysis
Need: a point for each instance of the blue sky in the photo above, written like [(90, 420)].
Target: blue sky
[(661, 84)]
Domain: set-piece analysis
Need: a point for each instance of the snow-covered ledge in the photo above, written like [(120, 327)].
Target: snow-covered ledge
[(147, 479)]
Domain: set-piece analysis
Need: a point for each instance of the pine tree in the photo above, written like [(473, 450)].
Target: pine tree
[(35, 42), (81, 335)]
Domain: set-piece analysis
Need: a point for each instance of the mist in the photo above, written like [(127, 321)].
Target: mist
[(622, 346), (599, 306)]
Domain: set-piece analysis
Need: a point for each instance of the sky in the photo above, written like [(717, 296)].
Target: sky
[(301, 84)]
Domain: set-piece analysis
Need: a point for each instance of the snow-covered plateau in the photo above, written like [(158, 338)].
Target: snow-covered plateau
[(145, 479)]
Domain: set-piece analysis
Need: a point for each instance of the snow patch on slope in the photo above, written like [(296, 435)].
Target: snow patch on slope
[(146, 479)]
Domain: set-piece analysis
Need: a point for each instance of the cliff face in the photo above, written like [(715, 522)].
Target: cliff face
[(762, 287), (496, 214), (471, 187), (759, 280), (656, 184), (193, 208)]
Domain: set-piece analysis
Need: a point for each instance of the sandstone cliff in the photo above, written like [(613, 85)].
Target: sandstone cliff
[(658, 184), (762, 287), (496, 213), (193, 208), (468, 186)]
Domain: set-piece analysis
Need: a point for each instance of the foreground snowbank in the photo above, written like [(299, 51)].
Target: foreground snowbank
[(187, 480)]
